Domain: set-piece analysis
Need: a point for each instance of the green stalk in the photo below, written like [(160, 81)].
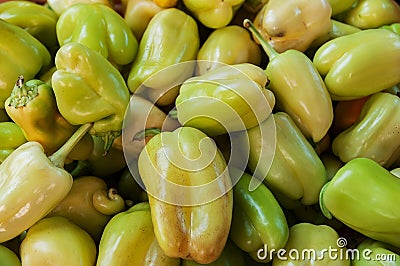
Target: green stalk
[(269, 50), (58, 158)]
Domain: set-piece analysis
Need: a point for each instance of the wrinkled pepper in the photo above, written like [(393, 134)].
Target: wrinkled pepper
[(218, 48), (128, 239), (345, 63), (296, 171), (310, 244), (298, 88), (293, 24), (106, 31), (12, 137), (32, 105), (364, 196), (138, 14), (59, 6), (213, 14), (230, 256), (190, 195), (375, 134), (89, 89), (32, 184), (257, 219), (370, 14), (90, 204), (171, 37), (372, 253), (45, 239), (20, 54), (36, 19), (8, 257), (227, 99)]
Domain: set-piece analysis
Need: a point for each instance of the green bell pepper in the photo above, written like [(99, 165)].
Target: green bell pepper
[(298, 88), (218, 48), (105, 31), (296, 171), (339, 6), (11, 136), (375, 134), (227, 99), (8, 257), (258, 219), (370, 14), (190, 195), (372, 253), (345, 63), (170, 38), (364, 196), (36, 19), (310, 244), (20, 54), (128, 239), (213, 14), (57, 240), (89, 89), (60, 6)]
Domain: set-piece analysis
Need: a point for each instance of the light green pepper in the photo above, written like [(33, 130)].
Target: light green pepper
[(375, 134), (105, 31), (346, 63), (364, 196)]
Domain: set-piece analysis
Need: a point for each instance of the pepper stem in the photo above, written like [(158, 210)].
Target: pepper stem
[(108, 202), (148, 132), (269, 50), (58, 158), (22, 93)]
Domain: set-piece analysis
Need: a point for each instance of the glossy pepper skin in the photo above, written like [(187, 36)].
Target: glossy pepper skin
[(191, 219), (375, 134), (299, 89), (90, 204), (317, 239), (11, 136), (32, 105), (36, 19), (138, 14), (376, 253), (218, 48), (20, 54), (31, 184), (345, 63), (89, 89), (171, 37), (370, 14), (364, 196), (339, 6), (239, 90), (258, 219), (59, 6), (105, 31), (213, 14), (45, 239), (8, 257), (293, 24), (230, 256), (296, 171), (128, 239)]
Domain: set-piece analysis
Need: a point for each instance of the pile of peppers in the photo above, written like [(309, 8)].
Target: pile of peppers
[(186, 132)]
